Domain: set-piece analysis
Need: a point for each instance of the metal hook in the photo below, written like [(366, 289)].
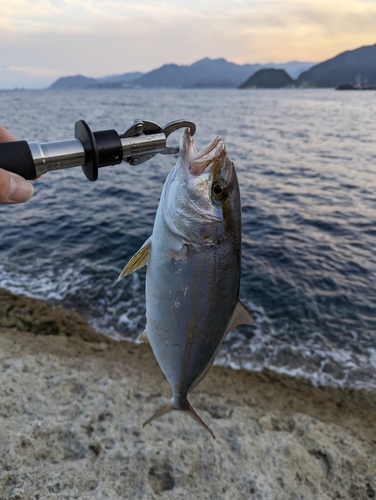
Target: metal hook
[(171, 127)]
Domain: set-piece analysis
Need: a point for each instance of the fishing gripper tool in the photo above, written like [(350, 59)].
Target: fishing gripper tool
[(140, 142)]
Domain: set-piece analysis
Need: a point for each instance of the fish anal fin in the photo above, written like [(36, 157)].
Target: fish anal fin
[(187, 408), (138, 260), (240, 316), (143, 337)]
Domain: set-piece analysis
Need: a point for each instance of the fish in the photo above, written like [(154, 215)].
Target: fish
[(193, 262)]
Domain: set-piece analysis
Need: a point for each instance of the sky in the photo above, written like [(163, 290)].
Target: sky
[(42, 40)]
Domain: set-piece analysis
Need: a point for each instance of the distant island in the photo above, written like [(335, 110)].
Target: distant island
[(350, 70), (268, 78)]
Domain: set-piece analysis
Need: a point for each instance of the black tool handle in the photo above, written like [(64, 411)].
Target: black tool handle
[(102, 148), (16, 157)]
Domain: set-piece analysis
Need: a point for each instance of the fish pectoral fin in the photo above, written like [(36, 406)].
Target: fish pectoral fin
[(240, 316), (143, 337), (138, 260)]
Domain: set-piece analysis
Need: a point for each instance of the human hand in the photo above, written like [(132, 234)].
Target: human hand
[(13, 188)]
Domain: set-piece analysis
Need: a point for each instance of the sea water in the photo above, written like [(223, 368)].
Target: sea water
[(306, 163)]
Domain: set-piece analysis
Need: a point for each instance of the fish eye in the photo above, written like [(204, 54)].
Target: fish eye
[(218, 189)]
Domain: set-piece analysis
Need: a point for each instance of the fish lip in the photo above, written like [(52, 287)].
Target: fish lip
[(197, 162)]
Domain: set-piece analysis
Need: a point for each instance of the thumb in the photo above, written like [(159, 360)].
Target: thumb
[(14, 188)]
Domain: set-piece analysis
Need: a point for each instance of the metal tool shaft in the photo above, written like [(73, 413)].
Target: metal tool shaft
[(58, 155)]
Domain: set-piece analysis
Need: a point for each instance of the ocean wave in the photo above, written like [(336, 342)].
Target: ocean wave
[(118, 310)]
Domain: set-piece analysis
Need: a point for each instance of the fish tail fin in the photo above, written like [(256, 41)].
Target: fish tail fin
[(187, 409), (159, 413), (190, 410)]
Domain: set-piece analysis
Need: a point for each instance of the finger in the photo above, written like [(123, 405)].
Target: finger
[(6, 136), (13, 188)]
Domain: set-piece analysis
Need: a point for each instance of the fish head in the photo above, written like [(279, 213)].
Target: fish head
[(204, 200)]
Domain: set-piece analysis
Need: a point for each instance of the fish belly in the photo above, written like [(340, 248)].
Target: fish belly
[(190, 297)]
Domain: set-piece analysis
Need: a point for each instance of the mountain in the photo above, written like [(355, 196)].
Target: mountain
[(201, 74), (209, 73), (204, 73), (269, 78), (124, 78), (83, 82), (293, 68), (356, 67)]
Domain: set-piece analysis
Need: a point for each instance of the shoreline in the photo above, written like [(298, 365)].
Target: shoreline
[(73, 401), (48, 318)]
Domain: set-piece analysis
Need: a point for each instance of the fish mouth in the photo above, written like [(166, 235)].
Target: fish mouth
[(198, 162)]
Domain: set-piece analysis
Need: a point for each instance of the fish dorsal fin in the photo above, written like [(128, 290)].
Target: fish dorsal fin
[(240, 316), (144, 337), (138, 260)]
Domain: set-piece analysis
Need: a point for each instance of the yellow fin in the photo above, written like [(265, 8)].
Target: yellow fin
[(144, 337), (138, 260), (240, 316)]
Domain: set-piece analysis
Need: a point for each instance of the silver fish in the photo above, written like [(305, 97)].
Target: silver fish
[(193, 273)]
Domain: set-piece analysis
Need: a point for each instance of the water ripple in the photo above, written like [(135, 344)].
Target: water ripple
[(306, 168)]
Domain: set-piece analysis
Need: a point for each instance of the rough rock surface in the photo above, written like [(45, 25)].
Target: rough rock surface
[(70, 426), (31, 315)]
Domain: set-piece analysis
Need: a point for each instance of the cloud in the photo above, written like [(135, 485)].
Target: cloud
[(305, 30), (32, 71), (100, 37)]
